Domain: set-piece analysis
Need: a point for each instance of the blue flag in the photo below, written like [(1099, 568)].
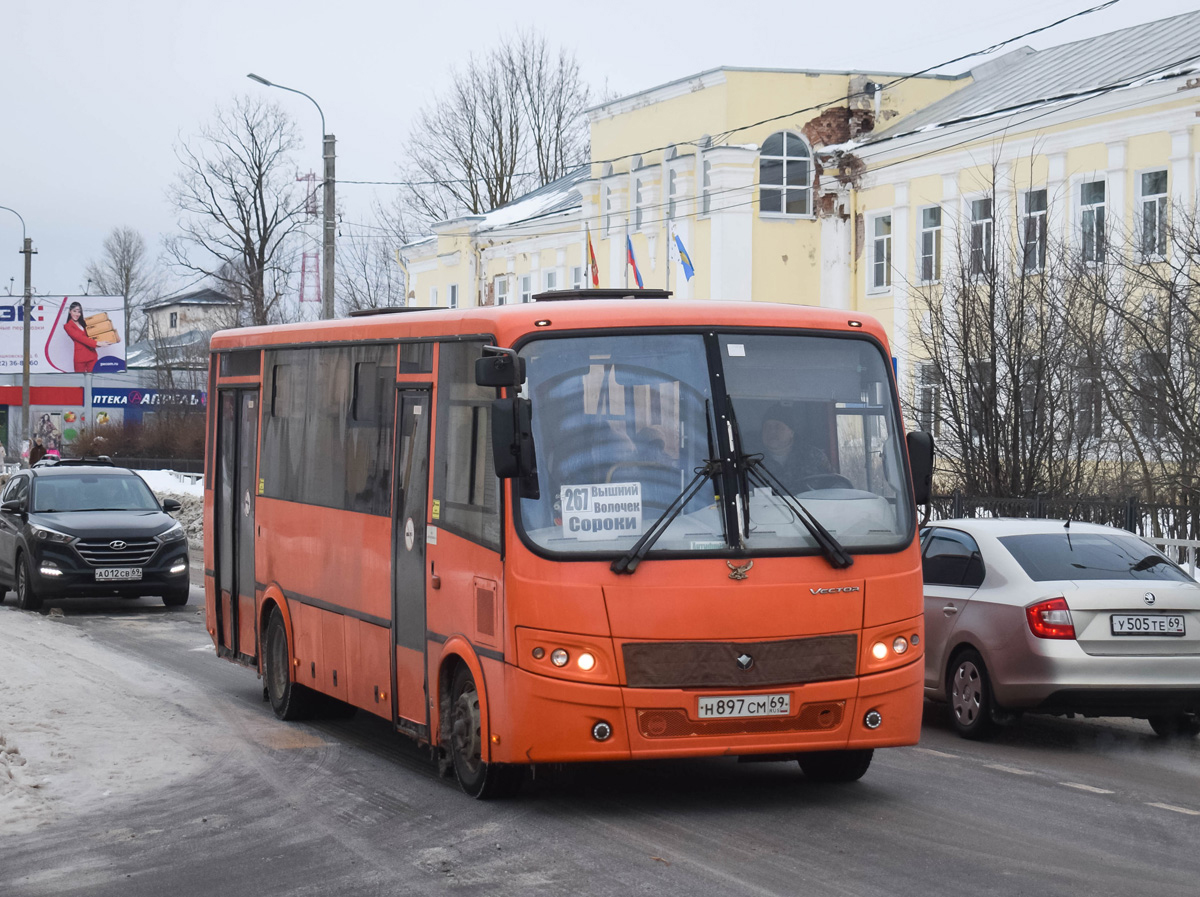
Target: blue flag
[(684, 259)]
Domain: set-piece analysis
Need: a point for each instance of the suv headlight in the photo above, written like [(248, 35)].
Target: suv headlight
[(174, 534), (45, 534)]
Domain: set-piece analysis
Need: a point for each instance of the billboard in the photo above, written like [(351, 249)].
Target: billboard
[(67, 335)]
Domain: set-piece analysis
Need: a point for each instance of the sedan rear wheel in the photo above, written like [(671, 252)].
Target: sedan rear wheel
[(970, 692)]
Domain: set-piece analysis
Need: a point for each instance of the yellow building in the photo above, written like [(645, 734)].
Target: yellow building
[(846, 190)]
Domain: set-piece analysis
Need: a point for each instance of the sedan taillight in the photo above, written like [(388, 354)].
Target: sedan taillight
[(1050, 619)]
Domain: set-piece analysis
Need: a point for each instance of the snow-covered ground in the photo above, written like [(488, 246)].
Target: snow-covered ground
[(189, 490), (80, 724)]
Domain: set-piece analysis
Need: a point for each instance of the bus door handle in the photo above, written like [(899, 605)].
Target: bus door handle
[(435, 581), (949, 610)]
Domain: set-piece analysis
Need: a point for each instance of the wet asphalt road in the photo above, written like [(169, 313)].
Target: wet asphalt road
[(1053, 806)]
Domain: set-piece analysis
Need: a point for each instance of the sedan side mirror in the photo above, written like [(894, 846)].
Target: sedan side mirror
[(171, 505)]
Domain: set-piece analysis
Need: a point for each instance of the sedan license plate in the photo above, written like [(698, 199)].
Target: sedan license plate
[(118, 574), (1147, 624), (732, 706)]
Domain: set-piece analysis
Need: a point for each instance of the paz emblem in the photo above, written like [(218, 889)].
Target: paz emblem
[(739, 572), (744, 662)]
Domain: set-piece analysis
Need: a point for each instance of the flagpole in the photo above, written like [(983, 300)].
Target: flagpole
[(627, 245), (670, 227)]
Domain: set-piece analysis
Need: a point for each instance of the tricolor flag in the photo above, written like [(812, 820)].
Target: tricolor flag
[(684, 259), (637, 275), (592, 260)]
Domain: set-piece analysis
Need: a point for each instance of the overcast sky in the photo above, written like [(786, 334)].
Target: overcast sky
[(97, 93)]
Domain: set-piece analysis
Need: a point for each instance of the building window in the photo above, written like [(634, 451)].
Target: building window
[(672, 187), (1091, 220), (929, 399), (1034, 230), (550, 279), (433, 297), (638, 199), (981, 237), (981, 397), (1151, 390), (784, 175), (577, 277), (453, 296), (501, 284), (881, 252), (706, 189), (1088, 416), (526, 288), (1152, 222), (174, 319), (931, 244)]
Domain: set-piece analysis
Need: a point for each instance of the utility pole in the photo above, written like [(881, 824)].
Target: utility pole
[(329, 227), (27, 311)]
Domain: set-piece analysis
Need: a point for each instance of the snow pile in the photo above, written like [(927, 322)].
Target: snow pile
[(188, 489), (81, 725)]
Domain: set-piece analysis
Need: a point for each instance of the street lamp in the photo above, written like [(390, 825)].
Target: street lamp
[(27, 251), (328, 141)]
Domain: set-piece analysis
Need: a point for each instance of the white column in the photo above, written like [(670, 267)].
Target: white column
[(1114, 190), (732, 222), (902, 252)]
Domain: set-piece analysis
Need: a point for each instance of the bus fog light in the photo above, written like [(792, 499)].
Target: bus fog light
[(539, 653), (873, 719), (916, 640), (586, 661), (602, 731), (879, 650), (559, 657), (900, 645)]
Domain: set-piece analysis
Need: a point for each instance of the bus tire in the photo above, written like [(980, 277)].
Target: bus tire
[(836, 766), (480, 780), (289, 700), (27, 596)]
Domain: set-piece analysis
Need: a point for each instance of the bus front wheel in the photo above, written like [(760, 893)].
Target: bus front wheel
[(288, 699), (478, 779), (836, 766)]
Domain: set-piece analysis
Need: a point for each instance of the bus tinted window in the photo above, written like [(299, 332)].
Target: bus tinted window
[(464, 479), (328, 432)]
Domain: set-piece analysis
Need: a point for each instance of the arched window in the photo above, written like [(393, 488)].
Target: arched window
[(785, 175)]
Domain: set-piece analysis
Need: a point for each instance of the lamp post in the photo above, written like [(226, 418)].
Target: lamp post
[(327, 218), (27, 251)]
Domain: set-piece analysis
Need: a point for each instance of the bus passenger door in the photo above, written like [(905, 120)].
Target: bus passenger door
[(408, 552), (237, 437)]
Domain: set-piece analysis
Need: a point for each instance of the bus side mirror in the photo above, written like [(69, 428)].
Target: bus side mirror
[(920, 461), (512, 437), (500, 370)]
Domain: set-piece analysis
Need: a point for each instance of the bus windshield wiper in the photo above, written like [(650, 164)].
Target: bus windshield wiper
[(757, 472), (628, 562)]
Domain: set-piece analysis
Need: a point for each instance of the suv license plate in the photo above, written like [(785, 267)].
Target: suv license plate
[(118, 574), (732, 706), (1147, 624)]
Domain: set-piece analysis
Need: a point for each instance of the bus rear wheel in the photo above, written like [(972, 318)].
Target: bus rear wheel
[(289, 700), (478, 779), (836, 766)]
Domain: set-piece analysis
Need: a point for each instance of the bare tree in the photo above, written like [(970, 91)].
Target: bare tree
[(369, 274), (125, 269), (240, 207), (512, 120), (1004, 377)]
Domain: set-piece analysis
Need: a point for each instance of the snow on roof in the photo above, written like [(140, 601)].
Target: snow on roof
[(196, 297), (1026, 77)]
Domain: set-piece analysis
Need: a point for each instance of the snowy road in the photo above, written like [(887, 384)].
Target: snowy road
[(142, 765)]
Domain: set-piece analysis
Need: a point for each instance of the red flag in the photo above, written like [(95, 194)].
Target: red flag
[(592, 260)]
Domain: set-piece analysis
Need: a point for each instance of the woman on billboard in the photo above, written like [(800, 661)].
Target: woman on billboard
[(85, 346)]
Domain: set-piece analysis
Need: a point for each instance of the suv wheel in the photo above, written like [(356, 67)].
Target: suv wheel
[(27, 596)]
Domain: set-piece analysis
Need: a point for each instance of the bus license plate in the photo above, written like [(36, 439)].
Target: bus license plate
[(118, 574), (1147, 624), (732, 706)]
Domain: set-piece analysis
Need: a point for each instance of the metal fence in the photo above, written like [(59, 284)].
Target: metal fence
[(1173, 525)]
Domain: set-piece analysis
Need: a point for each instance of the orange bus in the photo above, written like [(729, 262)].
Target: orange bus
[(577, 529)]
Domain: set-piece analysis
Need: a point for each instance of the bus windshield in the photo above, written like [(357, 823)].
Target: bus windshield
[(623, 423)]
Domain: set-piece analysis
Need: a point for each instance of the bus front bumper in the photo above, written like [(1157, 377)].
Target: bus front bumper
[(549, 720)]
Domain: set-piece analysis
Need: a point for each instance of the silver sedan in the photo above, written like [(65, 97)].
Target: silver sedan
[(1047, 616)]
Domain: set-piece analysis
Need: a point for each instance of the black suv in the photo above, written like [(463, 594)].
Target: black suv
[(89, 529)]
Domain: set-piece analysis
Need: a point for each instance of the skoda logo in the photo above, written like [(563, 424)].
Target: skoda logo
[(117, 545), (745, 661), (1148, 598)]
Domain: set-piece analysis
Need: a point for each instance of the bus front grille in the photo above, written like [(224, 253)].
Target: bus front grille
[(740, 664)]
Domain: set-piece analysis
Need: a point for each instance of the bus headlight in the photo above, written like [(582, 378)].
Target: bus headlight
[(559, 657)]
